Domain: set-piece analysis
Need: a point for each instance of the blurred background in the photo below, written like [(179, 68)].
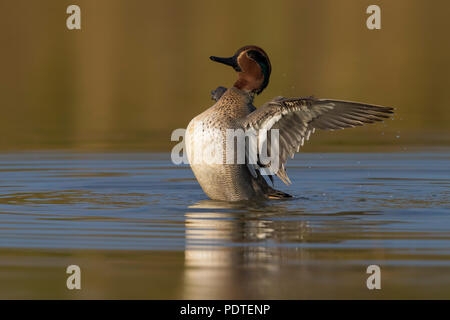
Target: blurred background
[(104, 98), (139, 69)]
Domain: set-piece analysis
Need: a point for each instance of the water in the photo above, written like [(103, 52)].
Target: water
[(140, 227)]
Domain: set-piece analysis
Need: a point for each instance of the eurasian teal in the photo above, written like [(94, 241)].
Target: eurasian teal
[(295, 119)]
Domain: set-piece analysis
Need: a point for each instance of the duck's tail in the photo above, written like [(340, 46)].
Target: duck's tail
[(261, 184), (276, 194)]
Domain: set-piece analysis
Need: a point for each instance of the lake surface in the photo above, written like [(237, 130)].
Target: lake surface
[(140, 227)]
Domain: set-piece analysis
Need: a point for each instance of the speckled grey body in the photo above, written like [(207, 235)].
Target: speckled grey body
[(229, 182)]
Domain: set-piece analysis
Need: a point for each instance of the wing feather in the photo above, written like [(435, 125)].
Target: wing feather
[(297, 118)]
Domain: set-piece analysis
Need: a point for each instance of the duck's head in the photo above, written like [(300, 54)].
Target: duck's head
[(253, 67)]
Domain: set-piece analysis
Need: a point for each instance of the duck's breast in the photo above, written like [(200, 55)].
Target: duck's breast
[(206, 152)]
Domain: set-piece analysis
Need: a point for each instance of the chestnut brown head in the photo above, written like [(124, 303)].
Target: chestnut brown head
[(253, 67)]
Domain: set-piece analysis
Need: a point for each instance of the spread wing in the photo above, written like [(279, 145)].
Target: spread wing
[(297, 118)]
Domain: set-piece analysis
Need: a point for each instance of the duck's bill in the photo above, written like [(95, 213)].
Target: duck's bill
[(231, 61)]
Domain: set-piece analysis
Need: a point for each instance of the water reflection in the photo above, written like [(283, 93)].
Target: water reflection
[(244, 223), (277, 249), (232, 243)]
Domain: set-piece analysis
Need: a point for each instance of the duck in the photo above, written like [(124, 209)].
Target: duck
[(293, 119)]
